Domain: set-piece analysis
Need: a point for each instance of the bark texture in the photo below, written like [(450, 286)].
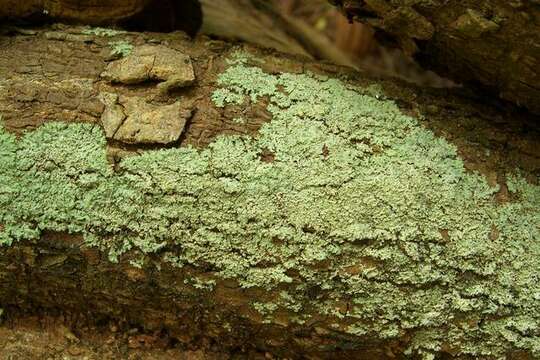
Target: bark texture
[(251, 21), (226, 291), (87, 11), (493, 43)]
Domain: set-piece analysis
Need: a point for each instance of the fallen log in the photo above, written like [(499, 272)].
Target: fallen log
[(254, 198), (492, 43), (95, 12)]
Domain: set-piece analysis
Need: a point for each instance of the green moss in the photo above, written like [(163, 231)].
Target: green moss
[(361, 205)]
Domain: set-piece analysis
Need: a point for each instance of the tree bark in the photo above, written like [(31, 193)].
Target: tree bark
[(344, 298), (92, 12), (493, 43), (251, 21)]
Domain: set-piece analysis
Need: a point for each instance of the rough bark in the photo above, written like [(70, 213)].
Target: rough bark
[(50, 75), (135, 15), (88, 11), (493, 43), (251, 21)]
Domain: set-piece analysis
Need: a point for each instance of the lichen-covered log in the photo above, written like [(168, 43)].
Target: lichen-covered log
[(302, 209), (493, 43)]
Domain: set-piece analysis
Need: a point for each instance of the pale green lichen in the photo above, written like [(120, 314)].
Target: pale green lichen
[(221, 97), (239, 120), (265, 308), (239, 57), (104, 32), (120, 48), (360, 205), (201, 284), (138, 262)]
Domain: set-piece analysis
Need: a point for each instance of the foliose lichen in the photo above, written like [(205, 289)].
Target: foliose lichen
[(363, 214), (100, 31), (120, 48)]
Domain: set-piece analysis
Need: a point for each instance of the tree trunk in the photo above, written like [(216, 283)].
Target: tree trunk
[(493, 43), (292, 207)]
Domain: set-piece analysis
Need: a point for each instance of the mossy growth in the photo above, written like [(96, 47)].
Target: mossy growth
[(363, 215)]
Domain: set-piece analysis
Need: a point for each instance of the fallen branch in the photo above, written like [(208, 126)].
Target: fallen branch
[(299, 209)]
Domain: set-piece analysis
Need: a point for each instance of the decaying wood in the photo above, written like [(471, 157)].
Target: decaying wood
[(55, 75), (495, 43)]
